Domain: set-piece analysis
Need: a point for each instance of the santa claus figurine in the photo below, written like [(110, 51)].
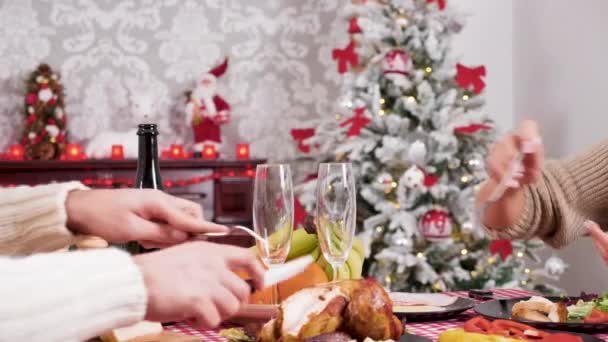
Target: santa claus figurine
[(206, 110)]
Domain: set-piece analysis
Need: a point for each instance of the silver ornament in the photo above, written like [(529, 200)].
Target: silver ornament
[(417, 152), (555, 266)]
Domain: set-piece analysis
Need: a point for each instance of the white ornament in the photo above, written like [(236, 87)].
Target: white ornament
[(417, 152), (397, 66), (39, 79), (31, 135), (30, 109), (412, 178), (436, 225), (555, 266), (53, 130), (45, 94)]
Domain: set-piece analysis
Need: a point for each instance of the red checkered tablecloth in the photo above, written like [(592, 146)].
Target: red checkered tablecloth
[(424, 329)]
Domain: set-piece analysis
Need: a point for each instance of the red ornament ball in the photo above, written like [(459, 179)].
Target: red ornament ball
[(436, 225), (30, 119), (31, 98), (398, 62)]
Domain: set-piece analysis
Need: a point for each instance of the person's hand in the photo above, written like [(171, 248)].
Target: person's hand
[(525, 140), (195, 281), (153, 218), (600, 239)]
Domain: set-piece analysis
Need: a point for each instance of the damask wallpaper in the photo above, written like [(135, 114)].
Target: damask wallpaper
[(280, 68)]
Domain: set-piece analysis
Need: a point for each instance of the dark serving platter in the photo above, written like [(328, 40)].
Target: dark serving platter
[(413, 338), (459, 306), (501, 309)]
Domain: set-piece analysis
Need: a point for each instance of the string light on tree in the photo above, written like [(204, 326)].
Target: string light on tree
[(464, 251), (465, 97), (428, 70), (381, 112), (411, 99)]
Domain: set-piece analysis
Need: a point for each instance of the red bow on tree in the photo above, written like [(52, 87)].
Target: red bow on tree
[(467, 77), (472, 128), (353, 27), (357, 122), (345, 56), (440, 3), (502, 247), (430, 180), (300, 135)]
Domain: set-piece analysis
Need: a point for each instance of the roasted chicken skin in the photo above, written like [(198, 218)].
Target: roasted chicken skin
[(356, 308)]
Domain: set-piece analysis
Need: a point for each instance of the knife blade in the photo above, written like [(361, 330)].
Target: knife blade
[(285, 271)]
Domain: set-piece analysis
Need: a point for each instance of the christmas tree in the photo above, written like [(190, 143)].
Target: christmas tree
[(44, 136), (411, 122)]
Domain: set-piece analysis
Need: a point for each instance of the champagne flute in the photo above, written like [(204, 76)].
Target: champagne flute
[(273, 215), (336, 212)]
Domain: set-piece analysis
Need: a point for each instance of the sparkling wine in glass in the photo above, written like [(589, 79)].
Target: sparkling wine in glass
[(336, 212), (273, 214)]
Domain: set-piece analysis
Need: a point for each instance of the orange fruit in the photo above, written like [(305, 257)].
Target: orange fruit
[(313, 275)]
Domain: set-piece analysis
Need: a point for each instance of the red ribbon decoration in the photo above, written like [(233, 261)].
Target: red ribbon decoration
[(353, 26), (357, 122), (300, 135), (472, 128), (467, 77), (345, 56), (502, 247), (430, 180), (440, 3)]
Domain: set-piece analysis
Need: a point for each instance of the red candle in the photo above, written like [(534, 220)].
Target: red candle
[(16, 152), (209, 152), (242, 151), (117, 152), (74, 152), (177, 151)]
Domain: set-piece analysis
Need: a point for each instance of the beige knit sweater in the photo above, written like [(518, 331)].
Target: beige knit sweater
[(568, 193), (62, 296)]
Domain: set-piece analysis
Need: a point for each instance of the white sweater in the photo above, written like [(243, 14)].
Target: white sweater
[(61, 296)]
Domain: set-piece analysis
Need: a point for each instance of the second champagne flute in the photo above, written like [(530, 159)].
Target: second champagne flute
[(273, 214), (336, 212)]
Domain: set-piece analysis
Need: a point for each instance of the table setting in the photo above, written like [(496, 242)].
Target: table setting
[(347, 307)]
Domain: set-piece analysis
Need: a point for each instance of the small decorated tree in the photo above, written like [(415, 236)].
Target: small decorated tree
[(45, 133)]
